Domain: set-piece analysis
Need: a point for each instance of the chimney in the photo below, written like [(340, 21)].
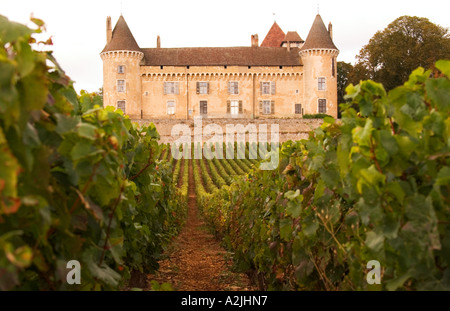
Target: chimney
[(330, 30), (108, 29), (255, 41), (158, 42)]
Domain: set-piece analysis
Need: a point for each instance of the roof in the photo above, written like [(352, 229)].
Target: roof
[(222, 56), (274, 37), (122, 38), (318, 37), (292, 36)]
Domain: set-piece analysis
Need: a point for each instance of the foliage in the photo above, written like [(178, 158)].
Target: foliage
[(90, 100), (344, 71), (77, 182), (405, 44), (316, 116), (373, 186)]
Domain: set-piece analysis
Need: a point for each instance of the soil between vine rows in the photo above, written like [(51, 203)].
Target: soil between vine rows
[(195, 260)]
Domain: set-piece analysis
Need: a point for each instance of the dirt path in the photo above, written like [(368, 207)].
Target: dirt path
[(196, 261)]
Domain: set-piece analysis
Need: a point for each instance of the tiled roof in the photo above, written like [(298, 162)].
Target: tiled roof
[(122, 38), (318, 37), (274, 37), (222, 56), (292, 36)]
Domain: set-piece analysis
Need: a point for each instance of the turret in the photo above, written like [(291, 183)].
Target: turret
[(122, 58), (319, 70)]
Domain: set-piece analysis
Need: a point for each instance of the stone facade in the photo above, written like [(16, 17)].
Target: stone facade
[(288, 80), (289, 129)]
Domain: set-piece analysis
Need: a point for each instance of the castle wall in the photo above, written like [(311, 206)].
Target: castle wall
[(289, 129), (288, 90)]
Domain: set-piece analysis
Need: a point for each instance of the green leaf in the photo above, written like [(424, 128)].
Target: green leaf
[(329, 120), (398, 282), (294, 206), (9, 171), (388, 142), (372, 178), (444, 67), (104, 273), (443, 177), (84, 149), (71, 96), (291, 195), (438, 91), (286, 229), (406, 145), (65, 123), (32, 88), (310, 229), (395, 189), (374, 241), (11, 31), (87, 130), (25, 59), (361, 135)]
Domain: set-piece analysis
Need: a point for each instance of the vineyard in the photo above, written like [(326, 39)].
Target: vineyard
[(82, 182)]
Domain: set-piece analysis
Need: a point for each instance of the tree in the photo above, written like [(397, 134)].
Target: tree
[(407, 43), (344, 71), (348, 74)]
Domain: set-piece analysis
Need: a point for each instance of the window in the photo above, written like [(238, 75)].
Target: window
[(171, 107), (298, 109), (233, 88), (322, 84), (202, 87), (121, 105), (121, 86), (268, 88), (234, 107), (171, 88), (121, 69), (203, 107), (267, 107), (322, 105)]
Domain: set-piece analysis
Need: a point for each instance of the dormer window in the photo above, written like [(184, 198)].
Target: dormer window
[(121, 69)]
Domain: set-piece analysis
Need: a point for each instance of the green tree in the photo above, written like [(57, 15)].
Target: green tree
[(407, 43), (348, 74), (344, 71)]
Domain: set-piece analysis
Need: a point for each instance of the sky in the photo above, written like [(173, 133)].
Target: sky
[(78, 28)]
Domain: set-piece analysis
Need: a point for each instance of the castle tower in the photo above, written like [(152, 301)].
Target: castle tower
[(320, 70), (122, 58)]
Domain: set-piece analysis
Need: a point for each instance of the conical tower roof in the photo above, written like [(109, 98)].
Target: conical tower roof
[(274, 37), (318, 37), (122, 38)]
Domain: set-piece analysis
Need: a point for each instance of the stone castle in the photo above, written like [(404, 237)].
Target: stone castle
[(284, 77)]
